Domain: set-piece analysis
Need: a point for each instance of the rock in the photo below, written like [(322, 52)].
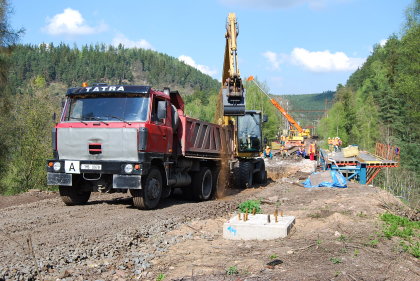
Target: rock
[(65, 274)]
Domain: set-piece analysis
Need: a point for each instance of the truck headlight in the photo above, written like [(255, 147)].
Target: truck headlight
[(57, 166), (128, 168)]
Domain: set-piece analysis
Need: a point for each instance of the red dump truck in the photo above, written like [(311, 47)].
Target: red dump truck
[(119, 138)]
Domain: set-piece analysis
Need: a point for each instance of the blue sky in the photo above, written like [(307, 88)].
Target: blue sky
[(294, 46)]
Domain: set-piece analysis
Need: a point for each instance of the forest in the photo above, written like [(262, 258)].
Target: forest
[(380, 103), (308, 109)]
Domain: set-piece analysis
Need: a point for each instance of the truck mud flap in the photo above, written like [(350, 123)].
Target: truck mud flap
[(59, 179), (126, 182)]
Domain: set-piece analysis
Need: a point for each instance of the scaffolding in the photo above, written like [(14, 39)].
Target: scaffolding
[(362, 168)]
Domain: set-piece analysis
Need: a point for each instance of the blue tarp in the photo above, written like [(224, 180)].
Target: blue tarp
[(326, 179)]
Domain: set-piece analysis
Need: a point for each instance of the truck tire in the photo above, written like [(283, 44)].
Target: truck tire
[(246, 169), (202, 184), (261, 176), (75, 194), (149, 196)]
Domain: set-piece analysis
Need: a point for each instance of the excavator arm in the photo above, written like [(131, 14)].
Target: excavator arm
[(233, 92)]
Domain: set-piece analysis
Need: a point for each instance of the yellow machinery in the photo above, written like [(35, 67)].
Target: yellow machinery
[(233, 92), (231, 111)]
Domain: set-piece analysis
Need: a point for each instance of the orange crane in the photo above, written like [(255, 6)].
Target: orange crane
[(301, 133)]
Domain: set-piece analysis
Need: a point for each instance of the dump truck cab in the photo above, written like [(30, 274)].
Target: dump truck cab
[(110, 136)]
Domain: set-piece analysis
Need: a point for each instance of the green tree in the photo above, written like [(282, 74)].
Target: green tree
[(256, 100)]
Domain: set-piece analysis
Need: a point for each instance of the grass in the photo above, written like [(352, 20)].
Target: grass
[(250, 205), (408, 231), (342, 238), (160, 277), (335, 260), (273, 257), (373, 243), (232, 270), (361, 215)]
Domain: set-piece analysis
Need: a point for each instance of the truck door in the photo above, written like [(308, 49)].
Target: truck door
[(160, 130)]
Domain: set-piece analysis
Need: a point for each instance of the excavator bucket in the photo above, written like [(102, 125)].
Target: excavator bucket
[(233, 97), (233, 105)]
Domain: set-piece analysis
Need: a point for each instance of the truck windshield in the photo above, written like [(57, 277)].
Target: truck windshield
[(110, 108), (249, 133)]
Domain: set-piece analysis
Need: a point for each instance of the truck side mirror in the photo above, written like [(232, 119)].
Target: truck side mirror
[(161, 110), (265, 118), (54, 116)]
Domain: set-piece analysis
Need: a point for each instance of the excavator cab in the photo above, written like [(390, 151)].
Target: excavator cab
[(249, 132)]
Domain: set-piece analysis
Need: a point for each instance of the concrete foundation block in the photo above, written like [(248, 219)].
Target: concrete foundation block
[(257, 227)]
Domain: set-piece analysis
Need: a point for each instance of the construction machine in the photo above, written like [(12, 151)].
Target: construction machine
[(295, 136), (248, 145), (233, 92)]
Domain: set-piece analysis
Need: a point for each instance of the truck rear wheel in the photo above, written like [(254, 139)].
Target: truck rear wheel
[(149, 196), (246, 178), (202, 183), (77, 194)]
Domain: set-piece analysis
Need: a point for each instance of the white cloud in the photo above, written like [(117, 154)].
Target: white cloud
[(71, 22), (121, 39), (383, 42), (324, 61), (203, 68), (277, 4), (273, 59)]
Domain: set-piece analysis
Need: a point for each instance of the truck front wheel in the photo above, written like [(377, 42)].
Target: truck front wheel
[(149, 196), (77, 194)]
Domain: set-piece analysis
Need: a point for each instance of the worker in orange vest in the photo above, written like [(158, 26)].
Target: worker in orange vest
[(312, 150), (336, 143), (267, 152), (330, 144)]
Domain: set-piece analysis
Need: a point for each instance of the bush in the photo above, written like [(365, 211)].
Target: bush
[(250, 205)]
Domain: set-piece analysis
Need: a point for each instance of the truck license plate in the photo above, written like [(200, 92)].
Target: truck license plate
[(91, 167), (72, 167)]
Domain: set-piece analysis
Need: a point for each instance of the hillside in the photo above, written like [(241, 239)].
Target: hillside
[(306, 108), (101, 63)]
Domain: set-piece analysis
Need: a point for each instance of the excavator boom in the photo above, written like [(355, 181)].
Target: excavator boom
[(233, 92)]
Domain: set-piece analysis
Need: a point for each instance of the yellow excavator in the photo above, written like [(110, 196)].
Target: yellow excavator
[(249, 167)]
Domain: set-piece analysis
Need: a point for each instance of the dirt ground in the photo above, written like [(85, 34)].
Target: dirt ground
[(107, 239)]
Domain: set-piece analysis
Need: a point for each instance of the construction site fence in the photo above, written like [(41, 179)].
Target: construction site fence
[(387, 151)]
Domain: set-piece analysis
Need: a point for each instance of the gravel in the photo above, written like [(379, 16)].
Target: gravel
[(107, 237)]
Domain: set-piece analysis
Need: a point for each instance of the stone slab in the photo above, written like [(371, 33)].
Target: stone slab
[(257, 227)]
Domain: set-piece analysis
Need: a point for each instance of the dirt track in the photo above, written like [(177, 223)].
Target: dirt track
[(109, 240)]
